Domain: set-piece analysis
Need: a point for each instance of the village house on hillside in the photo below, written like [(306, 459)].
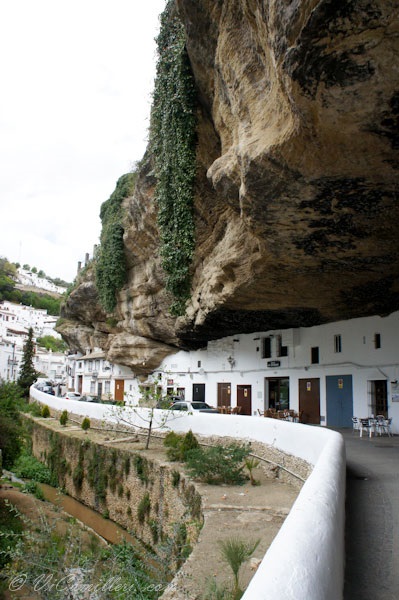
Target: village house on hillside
[(15, 321)]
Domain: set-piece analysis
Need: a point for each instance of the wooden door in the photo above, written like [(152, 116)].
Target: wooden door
[(224, 394), (379, 397), (119, 390), (80, 383), (309, 400), (244, 399), (198, 392)]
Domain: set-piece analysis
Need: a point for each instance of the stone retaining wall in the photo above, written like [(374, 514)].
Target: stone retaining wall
[(160, 506)]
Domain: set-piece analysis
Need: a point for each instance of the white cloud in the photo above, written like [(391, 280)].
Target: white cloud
[(76, 81)]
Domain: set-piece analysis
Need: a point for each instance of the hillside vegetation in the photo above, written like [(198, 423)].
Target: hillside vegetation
[(10, 292)]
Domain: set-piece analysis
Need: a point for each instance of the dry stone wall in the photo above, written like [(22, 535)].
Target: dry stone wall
[(152, 500)]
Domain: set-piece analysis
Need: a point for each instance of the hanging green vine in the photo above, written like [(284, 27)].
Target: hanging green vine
[(110, 260), (173, 144)]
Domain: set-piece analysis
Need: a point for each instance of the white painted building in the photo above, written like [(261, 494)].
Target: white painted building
[(326, 373), (28, 278), (329, 373), (15, 321), (93, 375), (27, 316), (10, 357), (51, 364)]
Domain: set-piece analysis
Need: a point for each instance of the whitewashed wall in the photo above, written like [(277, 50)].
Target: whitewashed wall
[(359, 358), (306, 559)]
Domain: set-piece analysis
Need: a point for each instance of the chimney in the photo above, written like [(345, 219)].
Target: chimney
[(79, 266), (86, 259)]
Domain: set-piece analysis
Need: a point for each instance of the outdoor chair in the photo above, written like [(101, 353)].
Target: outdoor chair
[(355, 424), (386, 426), (365, 425)]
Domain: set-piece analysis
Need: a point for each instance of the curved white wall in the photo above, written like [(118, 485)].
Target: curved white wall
[(306, 559)]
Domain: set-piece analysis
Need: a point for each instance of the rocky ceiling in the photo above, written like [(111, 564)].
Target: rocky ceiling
[(296, 195)]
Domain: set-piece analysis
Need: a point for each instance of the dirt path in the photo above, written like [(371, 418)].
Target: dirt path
[(246, 512)]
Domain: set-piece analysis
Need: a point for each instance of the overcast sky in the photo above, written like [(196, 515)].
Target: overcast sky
[(76, 80)]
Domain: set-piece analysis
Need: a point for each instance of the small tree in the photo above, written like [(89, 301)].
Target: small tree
[(86, 424), (45, 412), (64, 417), (150, 400), (27, 373), (235, 552)]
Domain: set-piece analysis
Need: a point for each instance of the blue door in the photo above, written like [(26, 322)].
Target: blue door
[(339, 393)]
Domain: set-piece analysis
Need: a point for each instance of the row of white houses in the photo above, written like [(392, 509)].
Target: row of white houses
[(328, 373)]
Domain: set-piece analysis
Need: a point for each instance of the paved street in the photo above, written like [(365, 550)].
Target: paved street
[(372, 517)]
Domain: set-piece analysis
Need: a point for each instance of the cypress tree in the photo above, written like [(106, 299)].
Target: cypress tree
[(27, 373)]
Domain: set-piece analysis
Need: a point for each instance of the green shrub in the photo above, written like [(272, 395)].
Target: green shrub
[(182, 548), (31, 487), (144, 508), (173, 442), (141, 466), (154, 527), (28, 467), (11, 433), (86, 424), (45, 412), (78, 476), (175, 478), (64, 417), (218, 464), (179, 445), (11, 526), (34, 408), (189, 442)]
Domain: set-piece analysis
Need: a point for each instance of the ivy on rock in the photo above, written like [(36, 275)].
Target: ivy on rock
[(173, 145), (111, 265)]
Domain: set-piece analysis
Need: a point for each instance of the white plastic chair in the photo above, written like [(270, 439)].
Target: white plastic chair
[(366, 425), (386, 426), (380, 424), (355, 424)]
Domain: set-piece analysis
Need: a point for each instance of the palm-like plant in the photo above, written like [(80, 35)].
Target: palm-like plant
[(252, 463), (235, 552)]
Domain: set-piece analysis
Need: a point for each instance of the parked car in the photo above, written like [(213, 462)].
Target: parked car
[(72, 396), (45, 386), (167, 401), (193, 407), (89, 399)]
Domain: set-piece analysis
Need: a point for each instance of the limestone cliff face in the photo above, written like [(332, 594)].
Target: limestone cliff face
[(296, 195)]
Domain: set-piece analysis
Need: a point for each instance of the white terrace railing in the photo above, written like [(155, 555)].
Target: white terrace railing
[(306, 559)]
